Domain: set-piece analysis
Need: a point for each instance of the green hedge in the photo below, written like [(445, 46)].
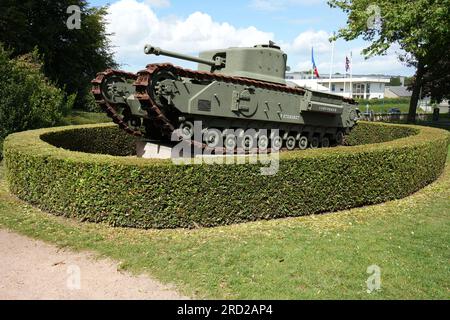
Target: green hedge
[(102, 140), (126, 191), (363, 102), (366, 133)]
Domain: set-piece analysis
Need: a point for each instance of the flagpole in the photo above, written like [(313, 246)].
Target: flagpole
[(331, 64), (345, 75), (351, 74)]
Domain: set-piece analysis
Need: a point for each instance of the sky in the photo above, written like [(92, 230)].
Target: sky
[(191, 26)]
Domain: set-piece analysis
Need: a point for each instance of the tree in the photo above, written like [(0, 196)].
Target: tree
[(395, 81), (71, 57), (27, 99), (420, 27), (409, 81), (437, 79)]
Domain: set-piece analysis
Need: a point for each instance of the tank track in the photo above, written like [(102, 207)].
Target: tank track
[(143, 81), (109, 108)]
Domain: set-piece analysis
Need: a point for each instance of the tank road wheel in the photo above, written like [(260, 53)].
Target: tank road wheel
[(263, 142), (187, 130), (325, 142), (212, 137), (247, 142), (303, 143), (290, 143), (339, 137), (230, 142), (277, 143), (315, 142)]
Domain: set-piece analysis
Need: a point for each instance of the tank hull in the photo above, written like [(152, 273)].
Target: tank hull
[(235, 88)]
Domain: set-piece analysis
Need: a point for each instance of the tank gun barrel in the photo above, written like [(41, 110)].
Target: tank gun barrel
[(149, 49)]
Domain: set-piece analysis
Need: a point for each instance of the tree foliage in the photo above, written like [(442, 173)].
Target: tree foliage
[(437, 79), (71, 57), (395, 81), (420, 27), (27, 99)]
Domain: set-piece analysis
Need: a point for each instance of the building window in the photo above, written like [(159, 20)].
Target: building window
[(358, 89), (333, 87)]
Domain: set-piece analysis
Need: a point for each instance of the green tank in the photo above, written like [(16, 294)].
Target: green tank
[(242, 88)]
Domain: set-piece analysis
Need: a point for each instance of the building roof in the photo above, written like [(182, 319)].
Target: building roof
[(354, 80), (310, 84), (307, 75), (400, 91)]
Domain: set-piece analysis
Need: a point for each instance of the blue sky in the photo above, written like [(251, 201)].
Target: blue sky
[(194, 25)]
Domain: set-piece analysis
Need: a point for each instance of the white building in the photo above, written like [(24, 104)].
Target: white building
[(360, 87)]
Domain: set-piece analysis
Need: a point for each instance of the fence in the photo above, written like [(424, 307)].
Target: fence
[(393, 117)]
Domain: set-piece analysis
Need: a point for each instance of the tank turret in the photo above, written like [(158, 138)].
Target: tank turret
[(265, 62)]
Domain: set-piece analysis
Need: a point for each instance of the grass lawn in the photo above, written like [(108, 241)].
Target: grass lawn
[(322, 256), (81, 117)]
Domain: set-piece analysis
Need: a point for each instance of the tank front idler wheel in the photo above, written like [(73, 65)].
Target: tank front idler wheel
[(303, 143), (315, 142), (290, 143), (325, 142)]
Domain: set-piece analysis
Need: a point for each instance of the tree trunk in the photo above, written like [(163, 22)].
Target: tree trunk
[(416, 92)]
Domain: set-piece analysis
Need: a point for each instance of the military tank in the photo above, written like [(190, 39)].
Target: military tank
[(238, 88)]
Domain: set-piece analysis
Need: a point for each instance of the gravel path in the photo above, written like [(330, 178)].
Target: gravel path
[(31, 269)]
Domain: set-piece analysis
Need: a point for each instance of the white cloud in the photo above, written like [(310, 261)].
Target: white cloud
[(317, 39), (134, 24), (158, 3)]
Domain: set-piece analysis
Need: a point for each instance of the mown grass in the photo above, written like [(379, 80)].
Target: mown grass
[(82, 117), (314, 257)]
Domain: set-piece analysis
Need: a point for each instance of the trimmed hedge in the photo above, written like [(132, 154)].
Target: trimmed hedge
[(131, 192), (102, 140), (367, 133)]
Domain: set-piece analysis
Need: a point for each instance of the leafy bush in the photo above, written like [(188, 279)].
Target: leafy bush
[(103, 140), (27, 99), (77, 117), (88, 103), (366, 133), (386, 101), (131, 192), (71, 58)]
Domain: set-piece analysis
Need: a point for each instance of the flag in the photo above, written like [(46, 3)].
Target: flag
[(315, 70), (347, 64)]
